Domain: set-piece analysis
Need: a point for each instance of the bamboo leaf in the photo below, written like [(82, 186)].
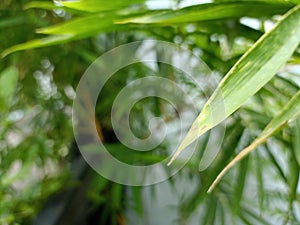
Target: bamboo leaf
[(69, 31), (290, 111), (212, 11), (47, 41), (99, 5), (51, 6), (240, 185), (42, 5), (293, 180), (260, 181), (85, 26), (252, 71), (8, 82), (294, 168), (296, 141)]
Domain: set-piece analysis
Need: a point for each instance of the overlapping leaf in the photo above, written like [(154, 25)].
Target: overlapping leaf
[(213, 11), (290, 111), (105, 16), (249, 74)]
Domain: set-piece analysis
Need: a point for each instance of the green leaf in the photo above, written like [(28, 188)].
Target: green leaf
[(296, 141), (69, 31), (252, 71), (294, 168), (240, 185), (290, 112), (8, 83), (84, 26), (51, 6), (260, 181), (47, 41), (293, 179), (99, 5), (12, 21), (42, 5), (212, 11)]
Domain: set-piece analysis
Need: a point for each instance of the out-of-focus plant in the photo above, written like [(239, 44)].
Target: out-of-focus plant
[(37, 88)]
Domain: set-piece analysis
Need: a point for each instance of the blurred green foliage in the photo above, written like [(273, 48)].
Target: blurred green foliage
[(37, 87)]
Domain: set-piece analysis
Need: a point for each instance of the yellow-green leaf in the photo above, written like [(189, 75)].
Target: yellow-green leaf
[(47, 41), (99, 5), (290, 111), (212, 11), (252, 71)]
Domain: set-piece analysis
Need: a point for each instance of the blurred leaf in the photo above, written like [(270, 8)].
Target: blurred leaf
[(212, 11), (294, 168), (260, 181), (253, 217), (65, 32), (85, 26), (273, 158), (8, 83), (138, 200), (8, 179), (296, 140), (240, 185), (293, 179), (51, 6), (290, 111), (42, 5), (47, 41), (248, 75), (12, 21), (99, 5)]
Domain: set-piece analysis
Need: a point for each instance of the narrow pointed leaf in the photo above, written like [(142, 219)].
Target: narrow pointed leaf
[(65, 32), (291, 111), (296, 141), (51, 6), (47, 41), (252, 71), (42, 5), (212, 11), (85, 26), (99, 5), (293, 179)]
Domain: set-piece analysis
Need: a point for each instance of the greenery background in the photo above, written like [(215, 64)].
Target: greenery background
[(41, 168)]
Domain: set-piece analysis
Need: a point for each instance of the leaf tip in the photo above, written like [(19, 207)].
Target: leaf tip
[(176, 154)]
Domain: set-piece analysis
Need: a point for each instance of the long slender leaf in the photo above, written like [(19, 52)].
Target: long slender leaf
[(260, 181), (257, 66), (99, 5), (296, 141), (51, 6), (293, 180), (212, 11), (106, 21), (276, 164), (240, 185), (42, 5), (38, 43), (85, 26), (291, 111), (294, 165)]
